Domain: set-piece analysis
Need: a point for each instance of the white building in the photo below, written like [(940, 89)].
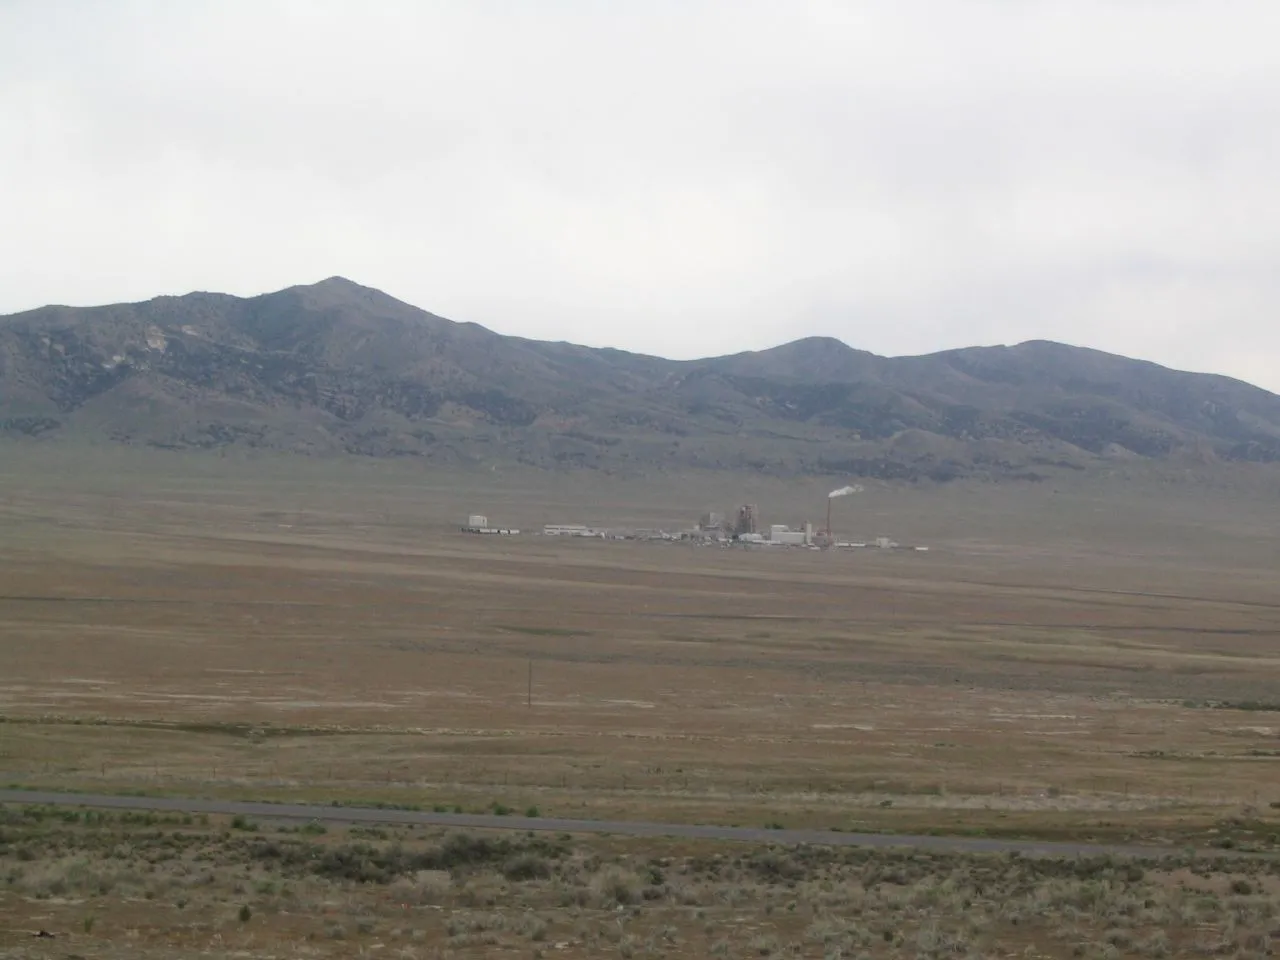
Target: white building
[(567, 530)]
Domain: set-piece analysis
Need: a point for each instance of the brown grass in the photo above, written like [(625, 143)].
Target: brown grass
[(145, 886), (1059, 664)]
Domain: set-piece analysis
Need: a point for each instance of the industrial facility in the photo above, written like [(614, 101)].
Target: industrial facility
[(479, 523), (743, 526)]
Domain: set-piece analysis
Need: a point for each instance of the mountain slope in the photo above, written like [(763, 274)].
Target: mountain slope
[(337, 367)]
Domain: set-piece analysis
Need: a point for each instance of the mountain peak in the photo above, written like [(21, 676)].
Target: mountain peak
[(817, 342), (338, 283), (816, 346), (809, 358), (347, 295)]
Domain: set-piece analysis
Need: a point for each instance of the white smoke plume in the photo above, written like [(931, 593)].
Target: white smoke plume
[(843, 492)]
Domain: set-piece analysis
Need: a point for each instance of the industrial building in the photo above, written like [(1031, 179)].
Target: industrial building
[(479, 523), (743, 526), (790, 538), (783, 535)]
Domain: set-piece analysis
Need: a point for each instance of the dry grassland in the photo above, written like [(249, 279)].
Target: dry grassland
[(1069, 663), (146, 886)]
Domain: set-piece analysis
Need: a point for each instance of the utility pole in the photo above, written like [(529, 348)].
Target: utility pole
[(529, 695)]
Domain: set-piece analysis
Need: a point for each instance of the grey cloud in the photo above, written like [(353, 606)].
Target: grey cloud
[(678, 178)]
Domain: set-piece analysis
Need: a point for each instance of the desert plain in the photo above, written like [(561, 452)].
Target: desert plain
[(1085, 660)]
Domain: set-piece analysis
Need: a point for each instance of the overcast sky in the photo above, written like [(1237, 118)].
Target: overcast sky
[(682, 178)]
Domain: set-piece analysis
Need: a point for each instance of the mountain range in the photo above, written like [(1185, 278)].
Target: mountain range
[(336, 367)]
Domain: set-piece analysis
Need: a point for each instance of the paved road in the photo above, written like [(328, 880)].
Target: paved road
[(298, 811)]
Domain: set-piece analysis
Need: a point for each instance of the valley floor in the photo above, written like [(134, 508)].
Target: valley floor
[(1076, 665)]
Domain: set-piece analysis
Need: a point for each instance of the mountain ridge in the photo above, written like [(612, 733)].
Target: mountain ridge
[(337, 367)]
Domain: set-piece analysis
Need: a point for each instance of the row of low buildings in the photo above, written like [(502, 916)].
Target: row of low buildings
[(479, 523), (608, 533)]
